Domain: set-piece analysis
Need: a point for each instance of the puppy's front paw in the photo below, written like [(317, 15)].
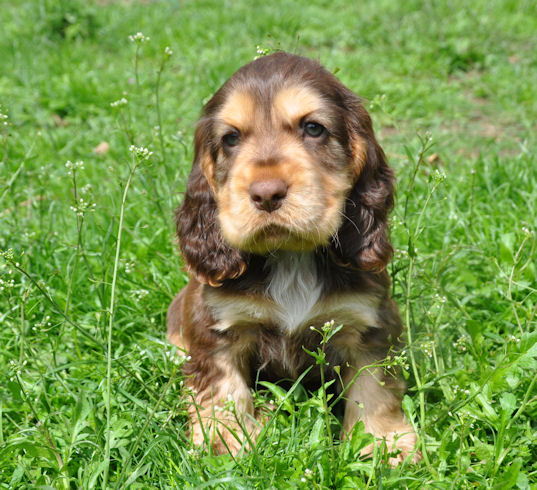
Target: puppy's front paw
[(400, 446), (225, 435)]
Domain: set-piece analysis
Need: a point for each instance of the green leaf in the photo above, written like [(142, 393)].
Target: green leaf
[(522, 481), (510, 476), (508, 402), (279, 394), (512, 380), (474, 328), (317, 434), (483, 450), (409, 407), (411, 249), (507, 242), (136, 473), (16, 477), (488, 410)]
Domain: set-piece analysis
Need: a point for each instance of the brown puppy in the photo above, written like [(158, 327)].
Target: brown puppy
[(284, 226)]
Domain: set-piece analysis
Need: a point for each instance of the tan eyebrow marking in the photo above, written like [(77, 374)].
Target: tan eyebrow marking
[(291, 104), (238, 110)]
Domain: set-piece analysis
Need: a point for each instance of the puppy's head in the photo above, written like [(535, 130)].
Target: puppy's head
[(285, 159)]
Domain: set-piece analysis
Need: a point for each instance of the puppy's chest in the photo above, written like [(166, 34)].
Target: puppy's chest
[(293, 299), (295, 289)]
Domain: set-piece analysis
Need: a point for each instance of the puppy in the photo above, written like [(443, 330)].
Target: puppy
[(283, 228)]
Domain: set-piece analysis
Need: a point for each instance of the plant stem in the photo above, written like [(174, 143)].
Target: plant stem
[(110, 324), (326, 413), (413, 360), (159, 117), (136, 66)]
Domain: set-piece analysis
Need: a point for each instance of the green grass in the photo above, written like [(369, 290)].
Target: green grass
[(464, 274)]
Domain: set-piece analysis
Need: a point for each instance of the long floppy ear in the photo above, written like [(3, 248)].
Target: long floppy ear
[(362, 239), (200, 238)]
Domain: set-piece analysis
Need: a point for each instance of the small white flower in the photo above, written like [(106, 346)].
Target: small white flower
[(129, 266), (140, 152), (261, 51), (73, 166), (138, 38), (7, 254), (9, 284), (3, 117), (139, 294), (82, 207), (168, 51), (428, 348), (121, 102), (460, 344), (439, 175), (329, 325)]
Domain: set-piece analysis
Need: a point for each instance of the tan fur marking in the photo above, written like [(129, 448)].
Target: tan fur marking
[(174, 320), (291, 104), (207, 165), (224, 412), (375, 399), (238, 111), (236, 309), (359, 154)]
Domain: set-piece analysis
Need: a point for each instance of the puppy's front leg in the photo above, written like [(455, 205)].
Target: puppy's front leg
[(375, 398), (222, 414)]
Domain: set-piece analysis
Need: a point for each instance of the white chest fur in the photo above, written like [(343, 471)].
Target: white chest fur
[(294, 285), (293, 300)]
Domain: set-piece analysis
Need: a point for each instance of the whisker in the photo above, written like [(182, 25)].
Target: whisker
[(350, 221)]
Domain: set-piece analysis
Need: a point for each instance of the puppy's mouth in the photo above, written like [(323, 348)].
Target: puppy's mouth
[(272, 237), (272, 232)]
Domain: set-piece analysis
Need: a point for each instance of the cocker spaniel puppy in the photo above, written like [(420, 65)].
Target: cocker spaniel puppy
[(283, 227)]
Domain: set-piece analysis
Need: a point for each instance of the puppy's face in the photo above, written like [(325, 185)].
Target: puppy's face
[(277, 154), (285, 159)]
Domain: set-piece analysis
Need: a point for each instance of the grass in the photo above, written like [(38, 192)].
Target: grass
[(90, 392)]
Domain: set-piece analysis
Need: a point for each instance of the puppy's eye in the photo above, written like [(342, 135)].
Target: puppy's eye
[(314, 129), (231, 139)]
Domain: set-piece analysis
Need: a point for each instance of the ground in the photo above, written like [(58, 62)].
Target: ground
[(89, 263)]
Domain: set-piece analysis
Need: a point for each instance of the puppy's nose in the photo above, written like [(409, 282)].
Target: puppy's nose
[(268, 195)]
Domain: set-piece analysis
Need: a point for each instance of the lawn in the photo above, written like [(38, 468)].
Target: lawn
[(95, 147)]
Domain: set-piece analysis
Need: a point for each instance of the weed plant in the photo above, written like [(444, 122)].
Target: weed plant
[(98, 102)]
